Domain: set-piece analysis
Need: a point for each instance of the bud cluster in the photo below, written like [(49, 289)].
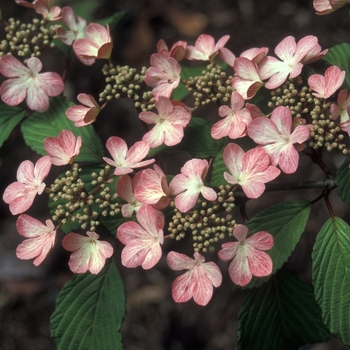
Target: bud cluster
[(211, 86), (123, 81), (299, 99), (76, 204), (27, 39), (294, 95), (208, 223)]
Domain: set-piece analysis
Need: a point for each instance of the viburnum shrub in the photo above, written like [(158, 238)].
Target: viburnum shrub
[(267, 109)]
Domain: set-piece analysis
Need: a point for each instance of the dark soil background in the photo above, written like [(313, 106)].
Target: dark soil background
[(154, 321)]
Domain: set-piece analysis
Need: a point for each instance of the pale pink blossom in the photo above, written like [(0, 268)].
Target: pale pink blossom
[(323, 7), (20, 195), (325, 86), (205, 49), (28, 83), (41, 238), (255, 54), (163, 75), (169, 123), (97, 43), (254, 110), (248, 256), (86, 113), (177, 51), (47, 10), (143, 239), (76, 25), (153, 188), (276, 137), (236, 119), (247, 81), (125, 190), (190, 183), (292, 57), (251, 170), (64, 148), (341, 108), (43, 7), (197, 282), (125, 160), (88, 253)]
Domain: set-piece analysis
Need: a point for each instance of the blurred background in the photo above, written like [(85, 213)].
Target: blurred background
[(154, 320)]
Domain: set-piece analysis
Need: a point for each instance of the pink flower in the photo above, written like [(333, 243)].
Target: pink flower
[(248, 81), (20, 194), (342, 108), (169, 123), (163, 75), (255, 54), (41, 238), (27, 83), (142, 240), (247, 256), (276, 137), (251, 170), (177, 51), (96, 44), (325, 86), (64, 148), (323, 7), (189, 184), (88, 252), (47, 10), (76, 25), (197, 282), (82, 115), (125, 190), (205, 48), (293, 56), (126, 160), (43, 7), (153, 188), (236, 119)]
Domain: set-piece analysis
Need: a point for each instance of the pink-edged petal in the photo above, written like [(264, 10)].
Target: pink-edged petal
[(260, 264), (12, 93), (177, 261), (11, 67), (261, 240)]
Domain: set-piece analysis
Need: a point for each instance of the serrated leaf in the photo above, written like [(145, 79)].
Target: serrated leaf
[(331, 276), (9, 117), (38, 126), (89, 312), (282, 314), (285, 222), (343, 180), (339, 55)]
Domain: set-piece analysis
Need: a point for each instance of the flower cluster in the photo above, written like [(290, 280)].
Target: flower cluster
[(250, 149)]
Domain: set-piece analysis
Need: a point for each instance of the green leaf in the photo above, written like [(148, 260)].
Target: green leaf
[(339, 55), (38, 126), (285, 222), (112, 20), (331, 276), (9, 117), (89, 312), (343, 180), (218, 169), (282, 314)]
